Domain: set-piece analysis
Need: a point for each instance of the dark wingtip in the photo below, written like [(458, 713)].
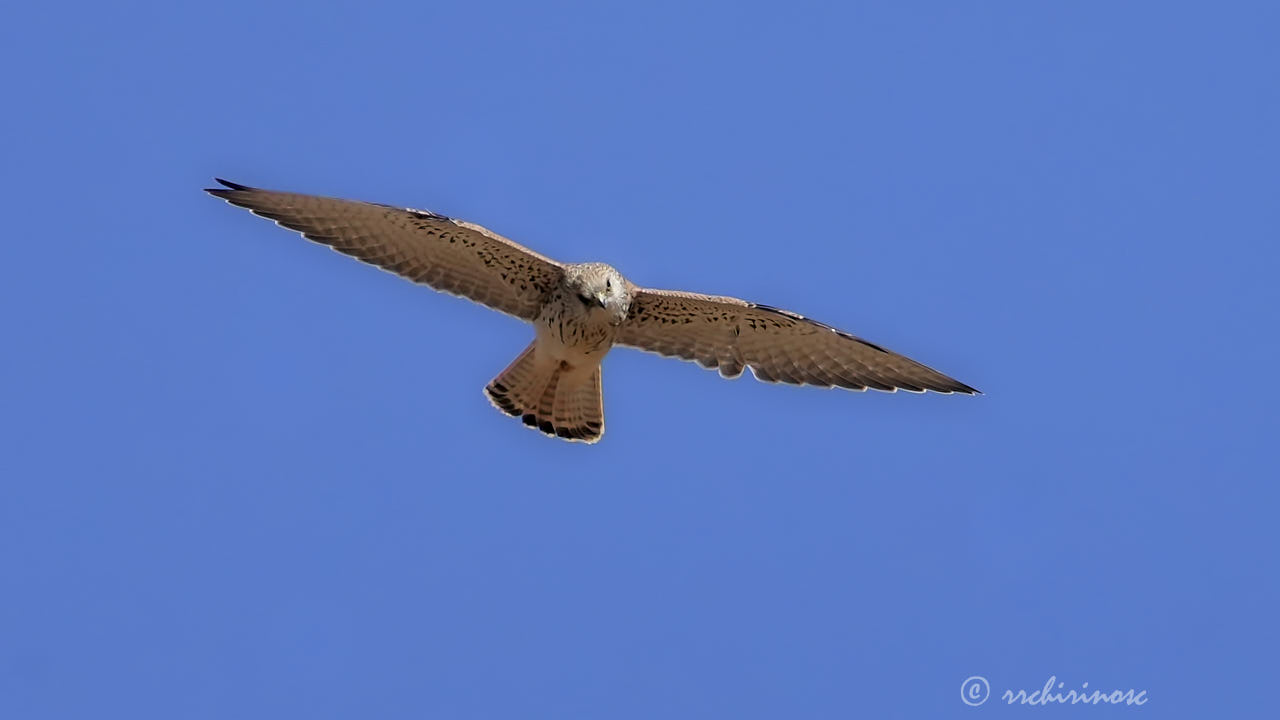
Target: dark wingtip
[(233, 186), (225, 192)]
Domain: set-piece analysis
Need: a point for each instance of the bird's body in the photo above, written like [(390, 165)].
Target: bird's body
[(581, 317), (580, 311), (555, 383)]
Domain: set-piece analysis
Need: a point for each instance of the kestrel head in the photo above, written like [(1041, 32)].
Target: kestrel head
[(599, 288)]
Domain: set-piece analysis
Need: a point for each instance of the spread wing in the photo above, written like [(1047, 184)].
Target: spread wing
[(777, 345), (450, 255)]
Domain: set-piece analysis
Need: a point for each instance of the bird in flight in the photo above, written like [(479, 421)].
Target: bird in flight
[(581, 310)]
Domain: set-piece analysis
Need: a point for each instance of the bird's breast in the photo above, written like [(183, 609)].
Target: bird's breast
[(573, 330)]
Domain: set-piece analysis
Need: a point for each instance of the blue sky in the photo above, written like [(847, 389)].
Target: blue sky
[(247, 477)]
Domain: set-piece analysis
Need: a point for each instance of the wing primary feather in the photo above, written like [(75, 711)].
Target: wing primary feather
[(233, 186)]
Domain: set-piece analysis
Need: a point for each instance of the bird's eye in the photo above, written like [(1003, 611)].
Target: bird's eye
[(608, 285)]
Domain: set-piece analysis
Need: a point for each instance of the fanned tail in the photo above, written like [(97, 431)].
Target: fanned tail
[(556, 398)]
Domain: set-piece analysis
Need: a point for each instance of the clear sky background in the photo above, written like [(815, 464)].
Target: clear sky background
[(247, 477)]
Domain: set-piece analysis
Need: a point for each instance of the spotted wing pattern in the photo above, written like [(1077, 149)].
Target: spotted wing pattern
[(449, 255), (777, 345)]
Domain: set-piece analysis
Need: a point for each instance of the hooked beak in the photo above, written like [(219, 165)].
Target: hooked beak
[(600, 299)]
